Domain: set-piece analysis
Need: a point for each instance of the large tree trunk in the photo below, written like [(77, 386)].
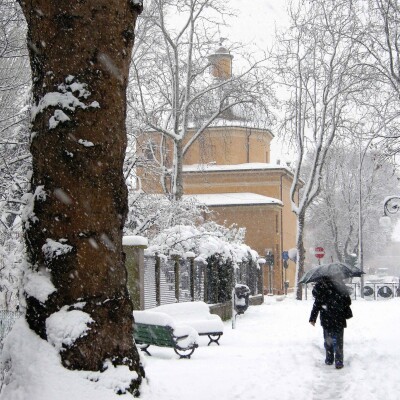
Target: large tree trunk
[(80, 53)]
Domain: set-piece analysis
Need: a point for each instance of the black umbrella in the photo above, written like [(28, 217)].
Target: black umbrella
[(334, 271)]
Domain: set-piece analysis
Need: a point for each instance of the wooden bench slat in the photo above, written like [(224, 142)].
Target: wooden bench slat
[(160, 335), (154, 334)]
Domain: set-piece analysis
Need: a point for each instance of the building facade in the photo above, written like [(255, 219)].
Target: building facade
[(239, 184), (228, 168)]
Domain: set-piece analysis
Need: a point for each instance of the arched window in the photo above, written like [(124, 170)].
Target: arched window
[(149, 151)]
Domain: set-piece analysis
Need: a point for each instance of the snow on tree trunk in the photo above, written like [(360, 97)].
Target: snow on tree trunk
[(301, 254), (80, 54), (177, 189)]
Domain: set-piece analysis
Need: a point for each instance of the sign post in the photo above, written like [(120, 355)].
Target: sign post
[(285, 258), (270, 260), (319, 252)]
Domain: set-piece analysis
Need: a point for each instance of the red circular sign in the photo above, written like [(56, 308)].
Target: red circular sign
[(319, 252)]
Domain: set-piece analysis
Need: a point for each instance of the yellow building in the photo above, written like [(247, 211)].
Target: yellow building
[(237, 182), (228, 168)]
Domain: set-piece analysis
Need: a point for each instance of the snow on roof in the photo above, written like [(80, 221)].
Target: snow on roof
[(221, 50), (232, 123), (233, 167), (237, 123), (233, 199)]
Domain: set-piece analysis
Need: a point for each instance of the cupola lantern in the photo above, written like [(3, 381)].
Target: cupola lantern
[(221, 62)]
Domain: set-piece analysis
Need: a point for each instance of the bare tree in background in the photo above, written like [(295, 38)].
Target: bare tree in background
[(14, 85), (182, 99), (379, 38), (15, 159), (334, 217), (80, 54), (317, 64)]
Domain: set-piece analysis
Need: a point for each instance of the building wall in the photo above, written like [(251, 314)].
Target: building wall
[(272, 183), (230, 145), (263, 228), (289, 222), (148, 180), (265, 182), (219, 145), (260, 222)]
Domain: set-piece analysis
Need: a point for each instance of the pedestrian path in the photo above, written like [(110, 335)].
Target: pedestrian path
[(329, 383), (274, 354)]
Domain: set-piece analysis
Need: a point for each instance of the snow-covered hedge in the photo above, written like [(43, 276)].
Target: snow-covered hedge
[(220, 248), (204, 241)]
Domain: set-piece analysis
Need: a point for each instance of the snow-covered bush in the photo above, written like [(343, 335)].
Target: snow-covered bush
[(220, 278), (205, 241), (150, 214)]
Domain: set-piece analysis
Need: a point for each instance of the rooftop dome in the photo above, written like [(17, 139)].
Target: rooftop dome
[(222, 50)]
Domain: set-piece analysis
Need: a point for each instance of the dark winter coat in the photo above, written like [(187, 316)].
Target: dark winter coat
[(332, 302)]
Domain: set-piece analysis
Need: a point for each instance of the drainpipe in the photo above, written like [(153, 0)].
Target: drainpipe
[(248, 146)]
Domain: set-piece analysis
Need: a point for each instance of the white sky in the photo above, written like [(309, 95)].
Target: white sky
[(256, 21), (255, 24)]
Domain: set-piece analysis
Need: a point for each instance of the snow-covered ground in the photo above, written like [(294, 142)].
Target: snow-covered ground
[(274, 353)]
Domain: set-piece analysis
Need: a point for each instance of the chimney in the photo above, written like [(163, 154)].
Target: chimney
[(221, 62)]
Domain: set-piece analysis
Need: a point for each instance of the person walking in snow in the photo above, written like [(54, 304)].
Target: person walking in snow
[(332, 303)]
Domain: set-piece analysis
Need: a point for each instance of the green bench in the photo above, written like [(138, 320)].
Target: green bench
[(159, 330)]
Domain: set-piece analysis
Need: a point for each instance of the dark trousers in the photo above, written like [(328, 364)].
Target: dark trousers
[(333, 342)]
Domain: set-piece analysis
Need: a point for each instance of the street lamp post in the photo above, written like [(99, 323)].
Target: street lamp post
[(360, 231), (360, 209)]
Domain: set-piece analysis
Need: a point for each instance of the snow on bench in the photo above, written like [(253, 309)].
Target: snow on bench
[(159, 329), (197, 315)]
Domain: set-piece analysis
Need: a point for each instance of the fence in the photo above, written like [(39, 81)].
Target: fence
[(168, 280), (154, 281), (372, 290), (7, 320), (174, 279)]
